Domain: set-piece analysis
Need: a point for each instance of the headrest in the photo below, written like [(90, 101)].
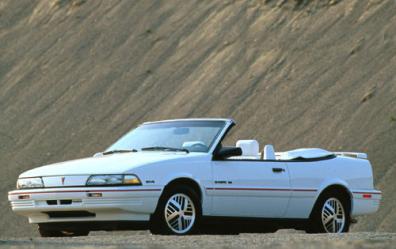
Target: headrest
[(269, 152), (249, 147)]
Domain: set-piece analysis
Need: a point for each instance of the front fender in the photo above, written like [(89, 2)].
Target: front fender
[(171, 177)]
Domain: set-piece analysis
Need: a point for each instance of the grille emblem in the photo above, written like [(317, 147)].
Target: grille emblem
[(63, 180)]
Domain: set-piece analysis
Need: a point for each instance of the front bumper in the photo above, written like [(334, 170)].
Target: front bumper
[(85, 204)]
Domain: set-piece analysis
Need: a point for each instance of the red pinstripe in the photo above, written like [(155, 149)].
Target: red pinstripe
[(265, 189)]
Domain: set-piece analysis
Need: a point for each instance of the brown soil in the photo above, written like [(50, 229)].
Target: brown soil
[(280, 240)]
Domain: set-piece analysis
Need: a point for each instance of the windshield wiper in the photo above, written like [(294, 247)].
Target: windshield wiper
[(165, 149), (118, 151)]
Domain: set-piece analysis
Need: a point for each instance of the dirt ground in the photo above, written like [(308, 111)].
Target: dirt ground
[(279, 240)]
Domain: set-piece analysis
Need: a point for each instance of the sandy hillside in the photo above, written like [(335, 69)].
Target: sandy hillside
[(76, 74)]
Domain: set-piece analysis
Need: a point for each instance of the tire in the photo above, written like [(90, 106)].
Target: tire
[(331, 214), (46, 232), (178, 212)]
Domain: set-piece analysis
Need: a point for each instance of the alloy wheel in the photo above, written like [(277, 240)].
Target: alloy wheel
[(180, 213), (333, 216)]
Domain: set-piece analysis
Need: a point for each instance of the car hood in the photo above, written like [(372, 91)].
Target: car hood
[(109, 164)]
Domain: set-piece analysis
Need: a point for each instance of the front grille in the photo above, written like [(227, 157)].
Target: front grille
[(52, 202), (69, 214), (65, 202)]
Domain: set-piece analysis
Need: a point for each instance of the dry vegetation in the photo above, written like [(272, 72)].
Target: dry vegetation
[(75, 75)]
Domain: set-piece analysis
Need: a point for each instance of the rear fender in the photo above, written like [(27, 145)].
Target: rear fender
[(332, 182)]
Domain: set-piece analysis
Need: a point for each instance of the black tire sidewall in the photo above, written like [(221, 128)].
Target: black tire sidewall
[(158, 223)]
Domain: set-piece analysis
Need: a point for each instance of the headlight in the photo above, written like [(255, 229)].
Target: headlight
[(36, 182), (105, 180)]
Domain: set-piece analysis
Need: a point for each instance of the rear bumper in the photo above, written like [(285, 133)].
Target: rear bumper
[(70, 204), (365, 202)]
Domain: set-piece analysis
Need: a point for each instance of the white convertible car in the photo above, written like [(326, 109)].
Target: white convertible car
[(176, 176)]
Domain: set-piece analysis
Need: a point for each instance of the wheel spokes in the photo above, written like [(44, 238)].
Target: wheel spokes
[(329, 225), (172, 216), (329, 208), (333, 216), (180, 223), (175, 203), (180, 213)]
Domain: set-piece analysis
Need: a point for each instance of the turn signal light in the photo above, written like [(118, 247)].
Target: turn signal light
[(23, 197), (131, 180)]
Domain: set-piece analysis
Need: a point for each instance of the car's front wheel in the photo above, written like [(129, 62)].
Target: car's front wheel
[(178, 212), (331, 215)]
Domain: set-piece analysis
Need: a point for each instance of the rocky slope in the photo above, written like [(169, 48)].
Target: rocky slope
[(76, 74)]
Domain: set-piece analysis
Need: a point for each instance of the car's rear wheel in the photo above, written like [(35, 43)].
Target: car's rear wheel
[(45, 231), (178, 212), (331, 214)]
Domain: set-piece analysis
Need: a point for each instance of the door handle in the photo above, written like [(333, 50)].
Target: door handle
[(278, 170)]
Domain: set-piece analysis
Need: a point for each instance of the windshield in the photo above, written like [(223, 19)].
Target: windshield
[(191, 136)]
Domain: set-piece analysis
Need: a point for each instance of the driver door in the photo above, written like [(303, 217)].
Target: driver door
[(249, 188)]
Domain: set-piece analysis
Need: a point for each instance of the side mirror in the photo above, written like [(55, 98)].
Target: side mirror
[(226, 152)]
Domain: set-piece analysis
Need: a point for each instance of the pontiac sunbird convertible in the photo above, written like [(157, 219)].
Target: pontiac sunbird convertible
[(178, 177)]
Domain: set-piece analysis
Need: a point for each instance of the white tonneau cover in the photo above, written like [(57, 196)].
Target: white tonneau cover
[(307, 153)]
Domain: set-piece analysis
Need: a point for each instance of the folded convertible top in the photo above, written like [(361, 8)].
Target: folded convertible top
[(305, 153), (312, 153)]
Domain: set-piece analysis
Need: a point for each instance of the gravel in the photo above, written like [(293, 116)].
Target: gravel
[(281, 239)]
